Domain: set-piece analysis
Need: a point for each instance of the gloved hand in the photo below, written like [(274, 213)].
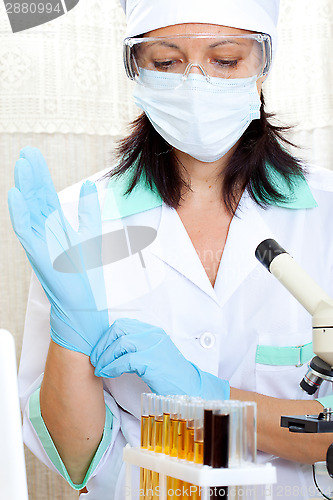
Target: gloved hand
[(130, 346), (73, 283)]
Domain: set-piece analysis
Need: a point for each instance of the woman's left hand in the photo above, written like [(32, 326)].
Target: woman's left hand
[(130, 346)]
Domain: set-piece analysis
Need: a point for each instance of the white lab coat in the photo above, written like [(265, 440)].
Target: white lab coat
[(217, 328)]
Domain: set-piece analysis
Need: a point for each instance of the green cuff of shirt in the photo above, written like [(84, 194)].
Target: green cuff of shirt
[(326, 401), (39, 425), (284, 356)]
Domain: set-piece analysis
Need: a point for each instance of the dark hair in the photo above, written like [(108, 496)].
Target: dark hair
[(149, 158)]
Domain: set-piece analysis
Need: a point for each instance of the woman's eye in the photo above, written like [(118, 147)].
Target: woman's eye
[(163, 65), (227, 63)]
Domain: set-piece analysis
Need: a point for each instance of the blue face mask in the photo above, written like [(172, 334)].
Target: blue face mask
[(201, 119)]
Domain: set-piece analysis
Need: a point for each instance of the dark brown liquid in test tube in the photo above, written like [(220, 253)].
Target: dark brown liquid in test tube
[(220, 447), (208, 448)]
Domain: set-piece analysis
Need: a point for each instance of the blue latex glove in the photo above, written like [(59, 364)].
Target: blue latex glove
[(77, 296), (130, 346)]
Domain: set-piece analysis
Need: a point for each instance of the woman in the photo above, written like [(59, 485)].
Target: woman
[(208, 173)]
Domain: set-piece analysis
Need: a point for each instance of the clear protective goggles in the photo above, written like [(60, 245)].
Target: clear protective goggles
[(214, 56)]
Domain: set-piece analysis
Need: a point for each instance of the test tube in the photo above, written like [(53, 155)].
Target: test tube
[(208, 443), (151, 445), (220, 439), (166, 406), (199, 433), (144, 420), (151, 422), (174, 419), (189, 442), (220, 455), (186, 440), (145, 475), (235, 432), (174, 408), (189, 437), (181, 442), (157, 441), (249, 432), (166, 426), (208, 428), (220, 446), (158, 425), (182, 428), (198, 441)]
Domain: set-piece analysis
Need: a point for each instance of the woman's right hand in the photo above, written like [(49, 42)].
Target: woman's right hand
[(67, 263)]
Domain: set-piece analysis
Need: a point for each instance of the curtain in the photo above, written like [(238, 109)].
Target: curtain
[(63, 89), (300, 87)]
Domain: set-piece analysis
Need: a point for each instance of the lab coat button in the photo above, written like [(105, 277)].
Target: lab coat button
[(207, 340)]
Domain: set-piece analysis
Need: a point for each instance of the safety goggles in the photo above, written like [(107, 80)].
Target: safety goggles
[(215, 56)]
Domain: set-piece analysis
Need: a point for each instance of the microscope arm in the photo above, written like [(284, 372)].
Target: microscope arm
[(306, 291)]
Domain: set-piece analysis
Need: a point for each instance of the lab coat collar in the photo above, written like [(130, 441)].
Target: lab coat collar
[(118, 205), (247, 229), (173, 244), (142, 198), (298, 195)]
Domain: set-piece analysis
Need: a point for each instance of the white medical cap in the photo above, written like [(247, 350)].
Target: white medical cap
[(253, 15)]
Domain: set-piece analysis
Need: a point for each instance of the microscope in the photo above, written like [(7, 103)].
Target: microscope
[(320, 306)]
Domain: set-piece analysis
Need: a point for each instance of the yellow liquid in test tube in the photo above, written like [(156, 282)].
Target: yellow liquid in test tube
[(166, 449), (181, 438), (198, 459), (166, 434), (144, 431), (173, 447), (151, 440), (173, 437), (144, 444), (151, 432), (158, 434), (198, 452), (158, 430), (189, 452), (198, 445), (189, 444), (181, 485)]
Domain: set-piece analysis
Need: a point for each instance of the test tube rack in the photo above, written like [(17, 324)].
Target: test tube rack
[(199, 475)]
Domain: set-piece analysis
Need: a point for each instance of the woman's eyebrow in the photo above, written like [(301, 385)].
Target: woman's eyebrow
[(224, 42), (212, 46), (165, 44)]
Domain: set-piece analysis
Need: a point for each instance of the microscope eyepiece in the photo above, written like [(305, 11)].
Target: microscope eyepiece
[(267, 251)]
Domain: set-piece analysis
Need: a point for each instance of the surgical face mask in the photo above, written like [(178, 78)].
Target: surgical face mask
[(198, 118)]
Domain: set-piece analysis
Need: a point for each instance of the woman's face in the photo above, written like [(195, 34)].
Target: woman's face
[(194, 49)]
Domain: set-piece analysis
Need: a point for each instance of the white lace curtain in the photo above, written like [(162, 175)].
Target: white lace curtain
[(63, 89), (300, 87), (67, 76)]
